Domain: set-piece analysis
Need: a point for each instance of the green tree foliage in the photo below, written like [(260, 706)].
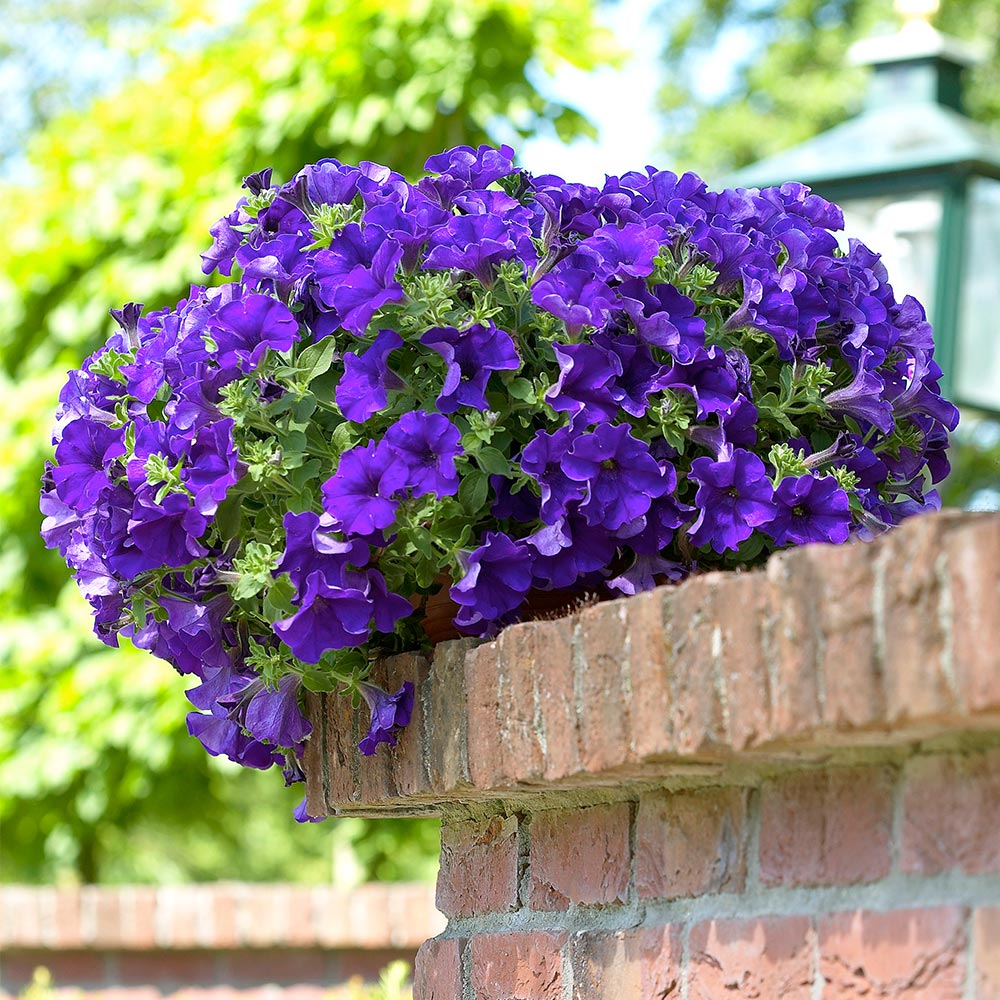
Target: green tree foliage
[(94, 760), (790, 78)]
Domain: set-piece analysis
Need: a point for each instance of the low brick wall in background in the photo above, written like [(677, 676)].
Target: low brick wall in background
[(775, 784), (227, 940)]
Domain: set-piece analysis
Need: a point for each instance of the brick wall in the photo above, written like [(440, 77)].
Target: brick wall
[(225, 941), (774, 784)]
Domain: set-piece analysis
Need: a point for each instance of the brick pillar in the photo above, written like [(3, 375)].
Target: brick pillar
[(778, 784)]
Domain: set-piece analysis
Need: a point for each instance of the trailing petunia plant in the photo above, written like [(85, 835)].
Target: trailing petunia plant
[(478, 386)]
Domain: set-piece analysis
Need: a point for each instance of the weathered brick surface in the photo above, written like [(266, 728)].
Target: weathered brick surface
[(693, 634), (447, 725), (482, 682), (986, 952), (826, 827), (916, 653), (972, 557), (848, 673), (911, 954), (520, 966), (437, 972), (691, 843), (794, 642), (520, 742), (648, 674), (478, 871), (638, 962), (763, 957), (743, 615), (579, 856), (603, 707), (951, 809)]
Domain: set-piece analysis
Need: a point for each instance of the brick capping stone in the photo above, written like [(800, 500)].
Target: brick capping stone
[(215, 916), (778, 784), (826, 651)]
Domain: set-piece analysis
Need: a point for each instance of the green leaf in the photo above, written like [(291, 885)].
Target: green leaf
[(278, 600), (493, 461), (316, 359), (472, 492)]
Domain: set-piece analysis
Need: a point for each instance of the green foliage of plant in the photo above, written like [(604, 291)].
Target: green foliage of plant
[(118, 206), (793, 79)]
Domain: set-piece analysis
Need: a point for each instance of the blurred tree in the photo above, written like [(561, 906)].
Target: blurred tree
[(94, 758), (787, 76)]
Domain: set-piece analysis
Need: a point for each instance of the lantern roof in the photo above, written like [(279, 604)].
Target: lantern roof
[(913, 122)]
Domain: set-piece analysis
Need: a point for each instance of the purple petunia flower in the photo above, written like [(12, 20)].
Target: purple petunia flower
[(364, 387), (496, 580), (586, 374), (543, 459), (474, 243), (575, 296), (427, 444), (708, 376), (329, 617), (734, 496), (810, 509), (390, 713), (470, 356), (360, 495), (620, 474), (862, 399), (244, 329)]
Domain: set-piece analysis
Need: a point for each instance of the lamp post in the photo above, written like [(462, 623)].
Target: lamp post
[(919, 181)]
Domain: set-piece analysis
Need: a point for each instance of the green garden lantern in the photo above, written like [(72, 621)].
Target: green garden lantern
[(920, 181)]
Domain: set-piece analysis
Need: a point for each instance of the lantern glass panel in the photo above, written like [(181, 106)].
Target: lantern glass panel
[(905, 231), (977, 370)]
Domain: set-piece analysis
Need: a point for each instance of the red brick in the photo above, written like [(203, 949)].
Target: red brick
[(75, 968), (916, 954), (447, 733), (254, 967), (604, 721), (690, 843), (915, 649), (951, 810), (986, 943), (696, 721), (851, 688), (368, 914), (437, 973), (742, 609), (557, 699), (226, 903), (301, 929), (478, 872), (527, 966), (66, 929), (826, 827), (636, 963), (333, 921), (368, 964), (759, 957), (521, 757), (482, 680), (793, 596), (341, 751), (413, 917), (578, 856), (138, 909), (166, 968), (376, 779), (22, 922), (648, 675), (312, 759), (973, 555), (407, 760)]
